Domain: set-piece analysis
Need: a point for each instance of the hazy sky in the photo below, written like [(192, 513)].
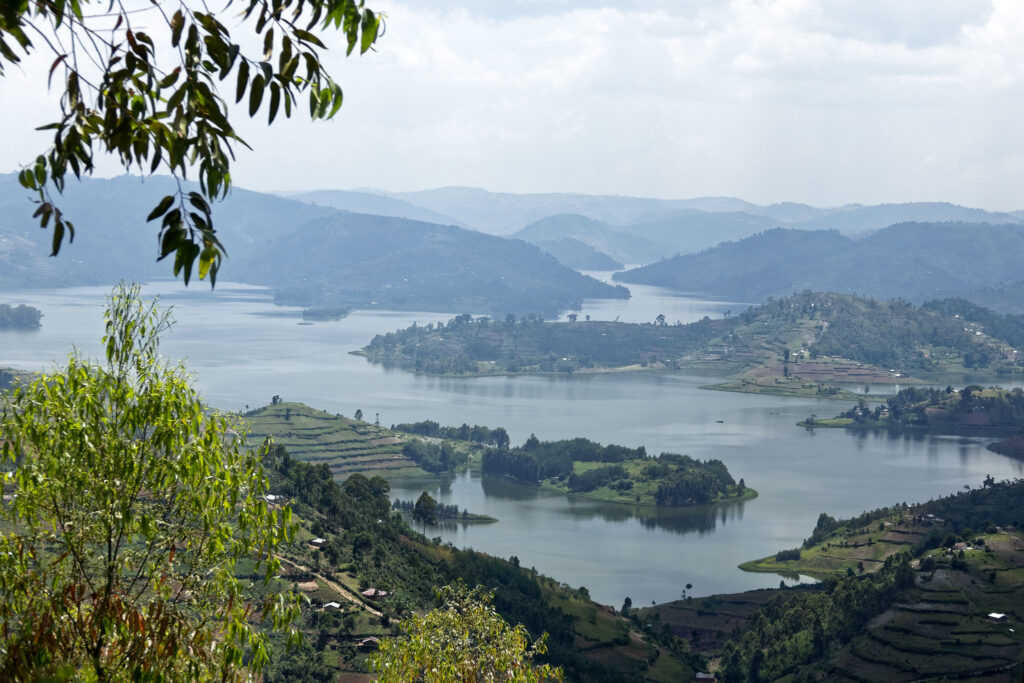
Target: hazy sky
[(819, 101)]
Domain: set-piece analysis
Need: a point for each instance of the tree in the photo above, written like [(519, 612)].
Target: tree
[(464, 639), (425, 510), (130, 506), (158, 108), (359, 414)]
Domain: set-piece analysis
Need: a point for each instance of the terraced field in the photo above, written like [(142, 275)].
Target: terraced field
[(945, 631), (709, 622), (346, 446)]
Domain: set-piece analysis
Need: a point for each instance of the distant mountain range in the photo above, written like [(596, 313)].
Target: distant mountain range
[(916, 261), (414, 249), (308, 253), (642, 230)]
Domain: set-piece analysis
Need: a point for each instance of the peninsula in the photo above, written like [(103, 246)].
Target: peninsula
[(800, 345)]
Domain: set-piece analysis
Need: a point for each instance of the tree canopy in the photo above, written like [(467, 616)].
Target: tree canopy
[(464, 639), (126, 509), (143, 83)]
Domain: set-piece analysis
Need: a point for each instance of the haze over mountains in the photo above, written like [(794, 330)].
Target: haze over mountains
[(471, 250), (915, 261)]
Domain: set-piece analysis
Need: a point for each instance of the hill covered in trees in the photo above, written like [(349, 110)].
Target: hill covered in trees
[(364, 568), (908, 593), (20, 316), (809, 337), (916, 261), (615, 473), (578, 255), (367, 261), (310, 255), (994, 411)]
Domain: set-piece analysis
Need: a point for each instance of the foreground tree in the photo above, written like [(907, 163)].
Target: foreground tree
[(464, 639), (129, 507), (125, 92)]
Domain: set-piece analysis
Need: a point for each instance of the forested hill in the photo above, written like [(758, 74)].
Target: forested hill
[(916, 261), (788, 336), (615, 473), (973, 406), (375, 261), (361, 544), (485, 345), (314, 255), (20, 316)]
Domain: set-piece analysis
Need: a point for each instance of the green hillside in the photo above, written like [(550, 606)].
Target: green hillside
[(993, 410), (915, 261), (346, 446), (793, 345), (907, 594), (363, 545)]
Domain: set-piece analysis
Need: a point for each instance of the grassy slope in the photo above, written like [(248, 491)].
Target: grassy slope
[(346, 446)]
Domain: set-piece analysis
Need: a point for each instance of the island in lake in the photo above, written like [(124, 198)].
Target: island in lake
[(798, 345), (616, 474), (19, 317)]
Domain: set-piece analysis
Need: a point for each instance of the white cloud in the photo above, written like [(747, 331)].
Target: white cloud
[(824, 101)]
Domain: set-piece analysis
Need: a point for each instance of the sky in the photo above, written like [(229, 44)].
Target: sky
[(826, 102)]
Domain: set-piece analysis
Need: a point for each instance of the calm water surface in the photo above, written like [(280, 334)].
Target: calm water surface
[(243, 350)]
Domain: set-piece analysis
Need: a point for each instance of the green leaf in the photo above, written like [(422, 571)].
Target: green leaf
[(161, 208), (307, 37), (177, 23), (243, 80), (268, 44), (58, 236), (275, 101), (255, 95), (371, 24)]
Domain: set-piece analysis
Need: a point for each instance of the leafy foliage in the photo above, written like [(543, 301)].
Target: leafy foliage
[(795, 631), (156, 108), (129, 508), (425, 510), (464, 639)]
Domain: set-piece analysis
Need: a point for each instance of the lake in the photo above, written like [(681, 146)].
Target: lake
[(243, 350)]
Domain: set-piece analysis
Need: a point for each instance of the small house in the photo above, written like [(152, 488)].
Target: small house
[(368, 644), (373, 593), (702, 677), (997, 618), (332, 605), (318, 542)]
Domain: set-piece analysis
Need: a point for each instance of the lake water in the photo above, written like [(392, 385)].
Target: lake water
[(243, 350)]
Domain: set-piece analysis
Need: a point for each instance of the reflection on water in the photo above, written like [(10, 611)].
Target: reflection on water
[(700, 519)]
